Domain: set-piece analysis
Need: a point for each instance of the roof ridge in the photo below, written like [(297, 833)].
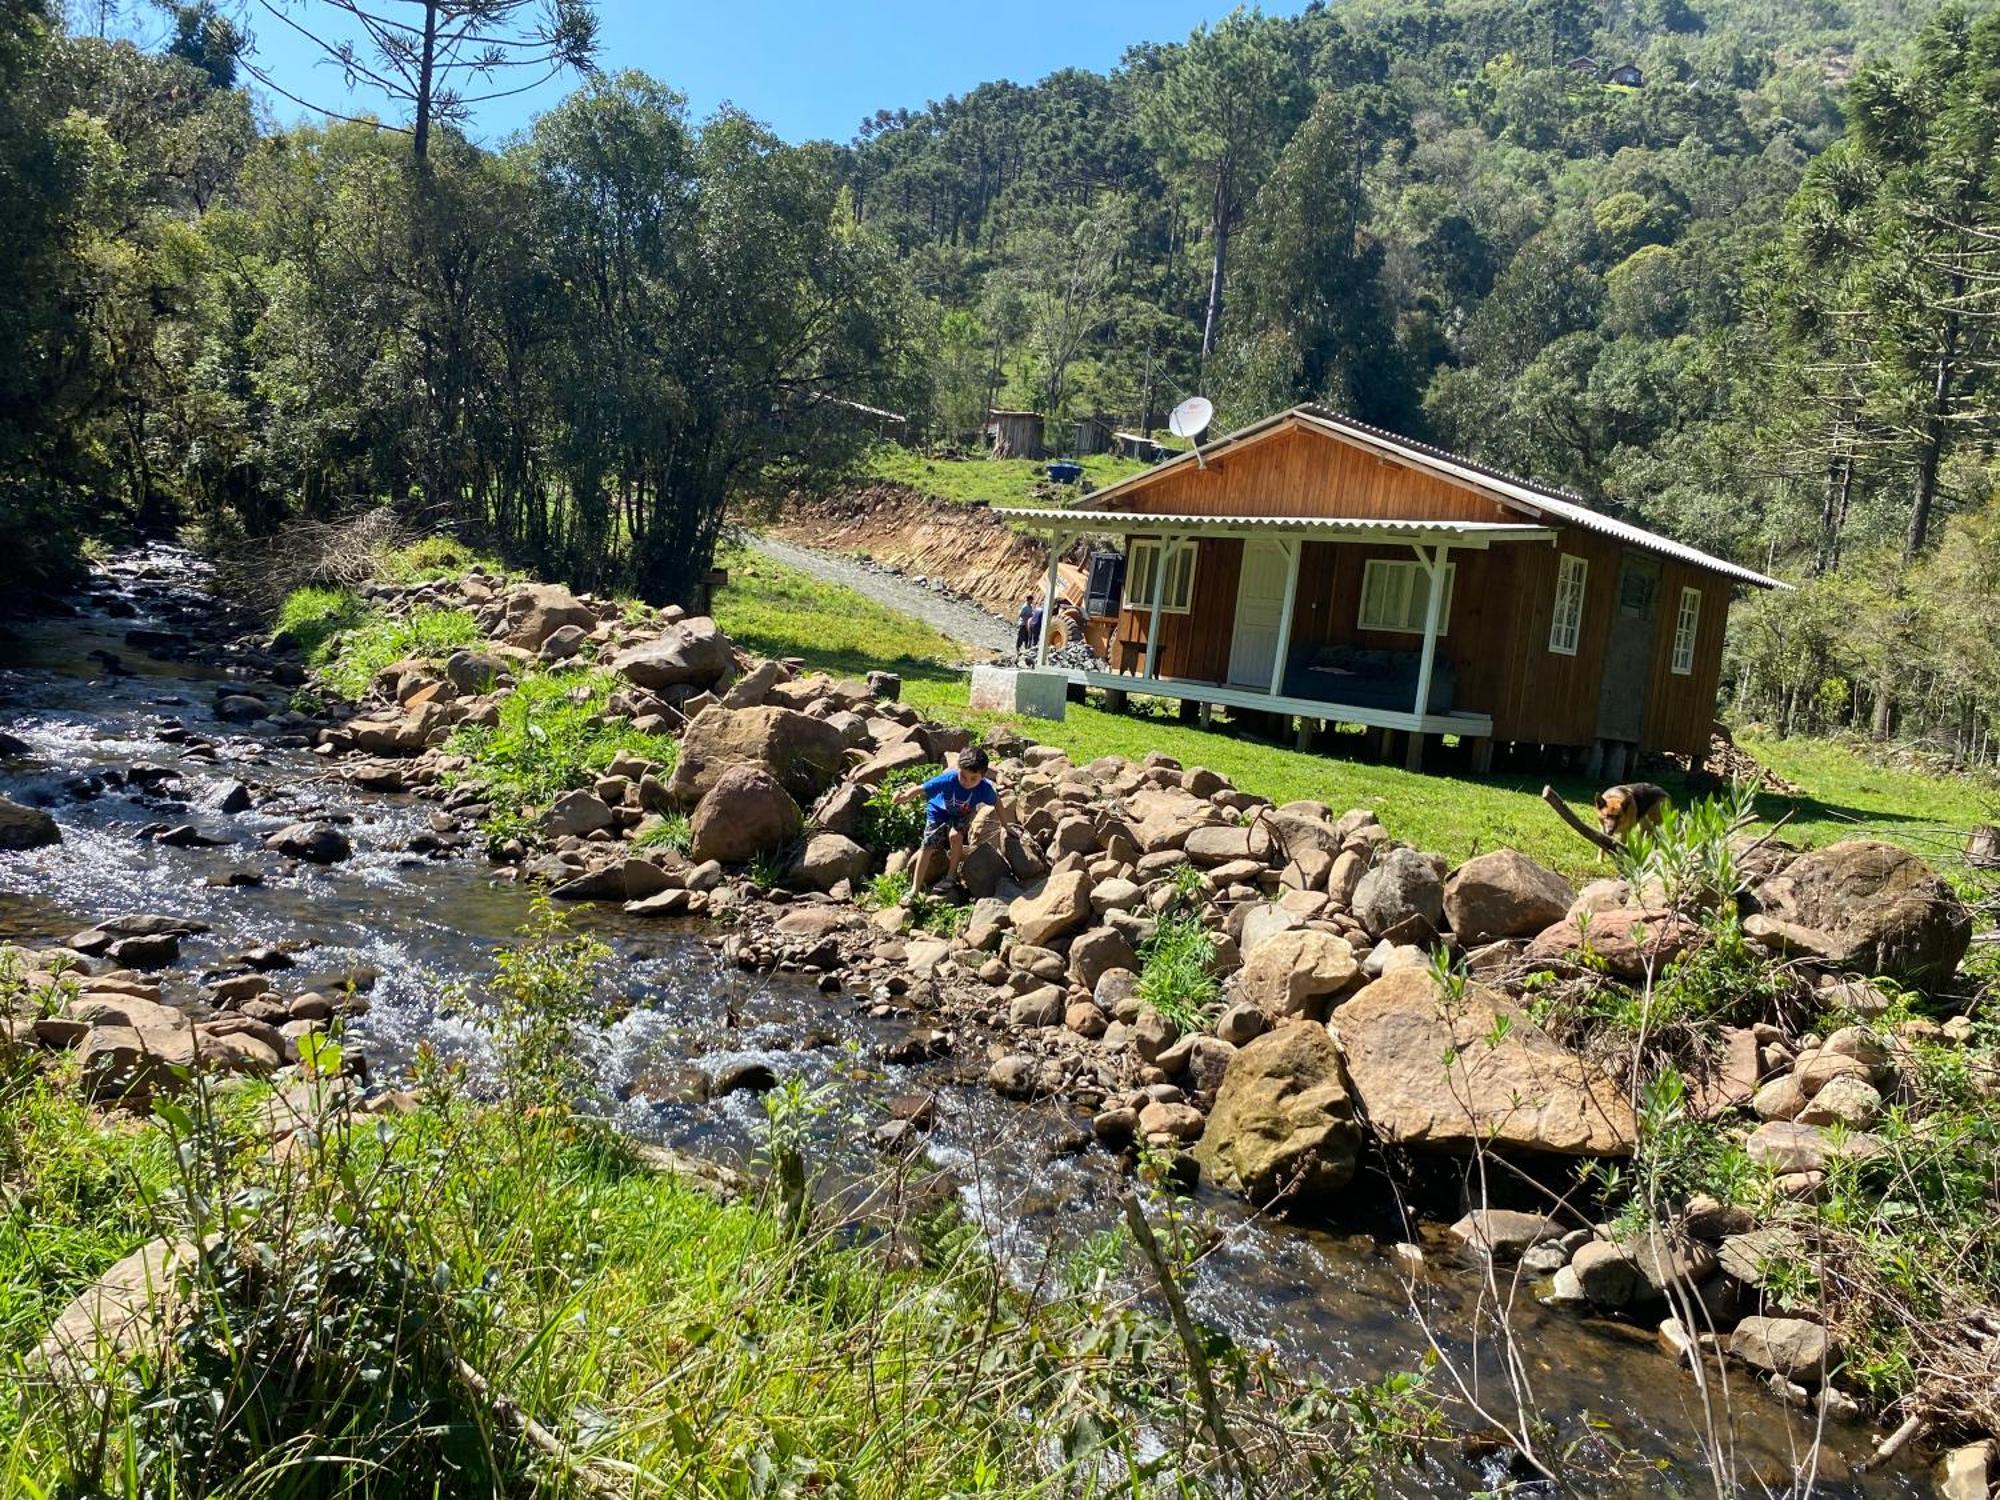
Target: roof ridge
[(1582, 511), (1329, 414)]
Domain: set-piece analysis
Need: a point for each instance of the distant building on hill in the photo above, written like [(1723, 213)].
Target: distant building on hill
[(1014, 434)]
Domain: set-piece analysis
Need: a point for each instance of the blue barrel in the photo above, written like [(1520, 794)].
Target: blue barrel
[(1065, 472)]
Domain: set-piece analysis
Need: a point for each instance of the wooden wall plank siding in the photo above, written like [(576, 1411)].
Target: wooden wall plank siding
[(1497, 639), (1291, 472)]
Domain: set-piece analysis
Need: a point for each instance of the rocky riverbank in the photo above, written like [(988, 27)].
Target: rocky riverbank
[(1343, 1008)]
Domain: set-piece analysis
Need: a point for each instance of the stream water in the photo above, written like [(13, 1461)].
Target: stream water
[(1316, 1299)]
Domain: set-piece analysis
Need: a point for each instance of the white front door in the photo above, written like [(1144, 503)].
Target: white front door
[(1260, 607)]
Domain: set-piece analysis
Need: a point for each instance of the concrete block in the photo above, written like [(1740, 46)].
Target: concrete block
[(1010, 690)]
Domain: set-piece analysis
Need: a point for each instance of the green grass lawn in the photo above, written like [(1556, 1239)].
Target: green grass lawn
[(778, 611), (994, 481)]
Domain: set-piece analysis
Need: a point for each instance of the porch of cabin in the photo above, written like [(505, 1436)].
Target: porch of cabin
[(1269, 666)]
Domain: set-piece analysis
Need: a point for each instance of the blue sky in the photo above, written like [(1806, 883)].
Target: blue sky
[(808, 70)]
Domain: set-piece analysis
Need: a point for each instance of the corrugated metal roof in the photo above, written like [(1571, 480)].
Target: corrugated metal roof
[(1523, 494), (1480, 533)]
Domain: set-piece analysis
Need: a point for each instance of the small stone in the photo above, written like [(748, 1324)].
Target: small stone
[(757, 1077)]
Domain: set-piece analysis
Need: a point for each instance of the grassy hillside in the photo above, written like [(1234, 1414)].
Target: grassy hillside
[(775, 610), (987, 481)]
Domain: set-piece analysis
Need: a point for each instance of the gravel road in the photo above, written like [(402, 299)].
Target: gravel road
[(966, 623)]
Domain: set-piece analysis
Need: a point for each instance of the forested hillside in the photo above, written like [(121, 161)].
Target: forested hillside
[(1720, 267)]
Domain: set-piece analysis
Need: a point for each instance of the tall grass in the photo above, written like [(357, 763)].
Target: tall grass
[(312, 616), (469, 1300), (347, 642), (1177, 970)]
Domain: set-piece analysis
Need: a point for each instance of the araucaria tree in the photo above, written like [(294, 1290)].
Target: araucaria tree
[(1895, 246), (427, 54)]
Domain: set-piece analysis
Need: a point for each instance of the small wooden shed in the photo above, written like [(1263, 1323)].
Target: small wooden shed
[(1090, 435), (1015, 434), (1313, 566)]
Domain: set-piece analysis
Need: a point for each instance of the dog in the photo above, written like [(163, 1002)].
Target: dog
[(1630, 805)]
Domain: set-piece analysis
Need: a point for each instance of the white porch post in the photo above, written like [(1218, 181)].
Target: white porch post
[(1160, 561), (1294, 550), (1434, 568), (1056, 543)]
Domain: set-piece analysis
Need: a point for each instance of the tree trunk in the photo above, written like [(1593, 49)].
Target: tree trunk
[(1219, 213), (426, 65), (1933, 449)]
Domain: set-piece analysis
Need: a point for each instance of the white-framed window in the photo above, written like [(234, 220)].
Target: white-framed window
[(1141, 560), (1567, 626), (1396, 596), (1687, 622)]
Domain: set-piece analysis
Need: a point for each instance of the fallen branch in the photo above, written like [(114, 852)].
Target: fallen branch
[(1583, 829), (1190, 1337), (538, 1436), (1891, 1445)]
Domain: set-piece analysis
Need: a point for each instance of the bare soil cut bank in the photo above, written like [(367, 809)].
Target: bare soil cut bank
[(969, 548)]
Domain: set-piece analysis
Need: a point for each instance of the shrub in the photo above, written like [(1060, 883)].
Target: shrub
[(887, 824), (554, 735), (1177, 973)]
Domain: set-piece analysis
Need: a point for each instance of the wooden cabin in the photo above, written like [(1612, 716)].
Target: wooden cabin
[(1314, 567)]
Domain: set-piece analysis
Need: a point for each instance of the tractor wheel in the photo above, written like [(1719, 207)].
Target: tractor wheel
[(1067, 627)]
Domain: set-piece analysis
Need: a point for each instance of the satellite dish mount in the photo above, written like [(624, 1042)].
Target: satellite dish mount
[(1190, 420)]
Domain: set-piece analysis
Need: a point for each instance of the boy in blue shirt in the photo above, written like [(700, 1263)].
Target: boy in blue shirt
[(954, 797)]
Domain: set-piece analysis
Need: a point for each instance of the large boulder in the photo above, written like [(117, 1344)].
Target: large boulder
[(1625, 943), (802, 753), (1791, 1347), (537, 611), (828, 859), (1401, 891), (1504, 894), (691, 653), (743, 814), (1061, 907), (1297, 973), (575, 814), (23, 827), (1452, 1071), (1096, 953), (1283, 1125), (1869, 907), (315, 843)]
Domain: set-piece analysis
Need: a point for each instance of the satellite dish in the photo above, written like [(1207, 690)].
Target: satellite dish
[(1191, 418)]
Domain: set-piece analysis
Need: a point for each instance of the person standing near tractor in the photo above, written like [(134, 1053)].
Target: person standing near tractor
[(1025, 631)]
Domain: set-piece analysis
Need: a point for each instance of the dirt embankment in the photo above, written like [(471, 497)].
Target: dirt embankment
[(969, 548)]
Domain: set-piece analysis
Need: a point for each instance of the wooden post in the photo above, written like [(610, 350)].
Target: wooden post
[(1056, 542), (1433, 562), (1162, 558), (1482, 755), (1434, 569), (1293, 548)]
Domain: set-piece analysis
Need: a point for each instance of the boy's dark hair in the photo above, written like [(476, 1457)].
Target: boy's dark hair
[(972, 759)]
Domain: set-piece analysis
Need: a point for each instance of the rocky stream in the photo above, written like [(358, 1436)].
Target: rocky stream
[(126, 721)]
